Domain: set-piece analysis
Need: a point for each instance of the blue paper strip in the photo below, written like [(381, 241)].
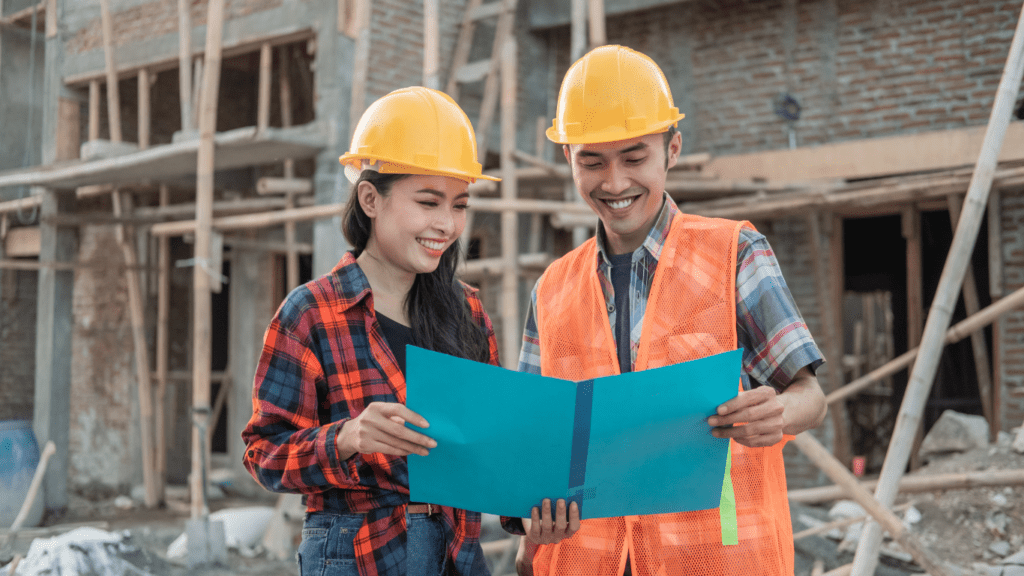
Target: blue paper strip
[(580, 442)]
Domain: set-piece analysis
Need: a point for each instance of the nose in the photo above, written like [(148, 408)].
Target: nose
[(615, 180), (446, 223)]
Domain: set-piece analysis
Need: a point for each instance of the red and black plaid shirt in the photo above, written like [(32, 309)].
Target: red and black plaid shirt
[(324, 360)]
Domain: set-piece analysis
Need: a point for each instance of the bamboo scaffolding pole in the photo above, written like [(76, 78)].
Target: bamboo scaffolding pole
[(921, 377), (163, 308), (263, 95), (292, 254), (489, 102), (911, 227), (978, 347), (201, 275), (835, 470), (460, 55), (431, 45), (185, 64), (136, 306), (840, 523), (270, 185), (958, 332), (916, 484), (577, 29), (20, 264), (360, 64), (94, 110), (144, 108), (995, 288), (113, 94), (510, 331)]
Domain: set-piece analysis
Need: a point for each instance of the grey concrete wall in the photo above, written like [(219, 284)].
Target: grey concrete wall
[(20, 99)]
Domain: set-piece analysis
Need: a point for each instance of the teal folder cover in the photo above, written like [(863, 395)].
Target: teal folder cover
[(630, 444)]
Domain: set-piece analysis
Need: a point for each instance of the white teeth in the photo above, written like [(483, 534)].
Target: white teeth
[(433, 245), (621, 203)]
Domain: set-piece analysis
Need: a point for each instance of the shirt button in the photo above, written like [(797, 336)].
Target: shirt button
[(611, 308), (252, 454)]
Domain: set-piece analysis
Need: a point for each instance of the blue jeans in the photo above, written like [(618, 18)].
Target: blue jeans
[(327, 550)]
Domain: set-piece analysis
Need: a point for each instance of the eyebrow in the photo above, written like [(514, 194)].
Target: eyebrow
[(634, 148), (442, 195)]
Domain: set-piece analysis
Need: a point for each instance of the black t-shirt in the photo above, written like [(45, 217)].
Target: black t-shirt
[(396, 336), (621, 265)]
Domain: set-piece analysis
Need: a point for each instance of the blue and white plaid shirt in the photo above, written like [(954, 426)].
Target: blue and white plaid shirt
[(775, 340)]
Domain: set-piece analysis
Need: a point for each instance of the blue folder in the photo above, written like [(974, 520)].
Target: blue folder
[(629, 444)]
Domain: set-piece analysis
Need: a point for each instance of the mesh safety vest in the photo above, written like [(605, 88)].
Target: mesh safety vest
[(691, 313)]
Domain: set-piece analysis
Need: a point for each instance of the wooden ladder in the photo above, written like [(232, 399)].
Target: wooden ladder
[(465, 72)]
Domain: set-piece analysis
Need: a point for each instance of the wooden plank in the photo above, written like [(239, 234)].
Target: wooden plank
[(263, 96), (113, 93), (69, 130), (911, 227), (871, 157), (940, 313), (511, 335), (971, 304), (431, 45), (137, 309), (462, 45), (23, 242), (595, 13), (201, 280), (163, 309), (916, 484), (185, 64), (144, 109)]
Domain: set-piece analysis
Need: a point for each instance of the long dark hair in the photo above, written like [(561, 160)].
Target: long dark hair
[(438, 311)]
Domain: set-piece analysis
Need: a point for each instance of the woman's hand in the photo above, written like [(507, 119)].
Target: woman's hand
[(542, 528), (381, 428)]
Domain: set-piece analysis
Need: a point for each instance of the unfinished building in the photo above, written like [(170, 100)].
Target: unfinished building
[(845, 131)]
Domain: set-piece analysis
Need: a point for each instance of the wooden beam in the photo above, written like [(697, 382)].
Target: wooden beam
[(881, 513), (958, 332), (163, 309), (263, 97), (511, 334), (51, 18), (269, 185), (577, 29), (201, 272), (113, 93), (431, 45), (868, 158), (137, 309), (144, 112), (94, 110), (69, 127), (185, 64), (461, 53), (360, 65), (923, 374), (917, 483), (971, 304), (911, 228), (23, 242), (488, 104)]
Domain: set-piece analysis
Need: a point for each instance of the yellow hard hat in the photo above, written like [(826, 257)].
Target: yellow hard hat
[(612, 93), (414, 130)]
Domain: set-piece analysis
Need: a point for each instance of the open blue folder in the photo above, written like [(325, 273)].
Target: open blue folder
[(629, 444)]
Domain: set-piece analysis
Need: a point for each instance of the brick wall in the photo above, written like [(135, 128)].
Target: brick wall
[(148, 20), (17, 343), (858, 69), (103, 446), (1012, 326)]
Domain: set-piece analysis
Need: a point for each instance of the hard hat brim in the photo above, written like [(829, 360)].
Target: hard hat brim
[(391, 166), (610, 135)]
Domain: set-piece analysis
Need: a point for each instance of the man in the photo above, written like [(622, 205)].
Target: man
[(657, 287)]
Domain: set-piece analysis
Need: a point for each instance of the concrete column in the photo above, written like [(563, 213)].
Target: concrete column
[(251, 309), (54, 323), (334, 91)]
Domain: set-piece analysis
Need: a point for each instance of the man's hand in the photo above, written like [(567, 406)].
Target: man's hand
[(760, 417), (542, 528), (381, 428), (524, 557), (760, 411)]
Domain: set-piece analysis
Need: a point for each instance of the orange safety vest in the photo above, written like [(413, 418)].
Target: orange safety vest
[(691, 313)]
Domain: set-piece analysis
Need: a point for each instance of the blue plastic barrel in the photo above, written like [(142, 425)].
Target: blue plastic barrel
[(19, 455)]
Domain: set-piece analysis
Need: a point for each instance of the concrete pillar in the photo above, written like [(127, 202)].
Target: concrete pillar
[(251, 309), (334, 91), (54, 323)]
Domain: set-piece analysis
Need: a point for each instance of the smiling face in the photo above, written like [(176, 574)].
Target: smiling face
[(418, 219), (624, 183)]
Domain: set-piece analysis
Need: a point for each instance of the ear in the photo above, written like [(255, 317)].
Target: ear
[(568, 153), (675, 146), (368, 198)]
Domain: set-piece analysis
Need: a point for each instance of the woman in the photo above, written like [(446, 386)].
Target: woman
[(328, 399)]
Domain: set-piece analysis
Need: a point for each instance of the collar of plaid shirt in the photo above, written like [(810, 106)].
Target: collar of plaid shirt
[(380, 544)]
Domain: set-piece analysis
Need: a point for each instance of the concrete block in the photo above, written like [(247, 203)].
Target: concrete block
[(955, 432)]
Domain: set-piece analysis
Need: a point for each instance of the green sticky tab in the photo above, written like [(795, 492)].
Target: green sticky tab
[(727, 507)]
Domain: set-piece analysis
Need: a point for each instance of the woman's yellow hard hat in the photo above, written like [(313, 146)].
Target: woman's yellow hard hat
[(414, 130), (612, 93)]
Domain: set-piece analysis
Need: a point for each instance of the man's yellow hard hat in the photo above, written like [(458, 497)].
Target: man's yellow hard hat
[(612, 93), (414, 130)]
